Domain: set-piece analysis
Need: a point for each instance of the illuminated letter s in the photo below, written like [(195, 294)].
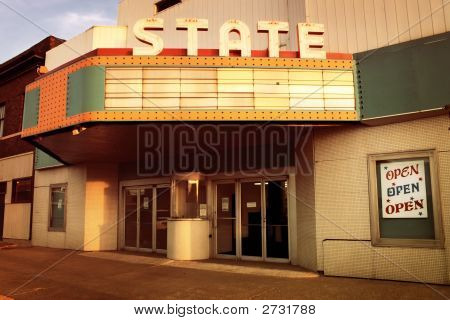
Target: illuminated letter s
[(141, 32)]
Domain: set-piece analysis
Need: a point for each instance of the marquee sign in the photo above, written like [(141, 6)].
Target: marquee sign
[(153, 83), (310, 37), (403, 189)]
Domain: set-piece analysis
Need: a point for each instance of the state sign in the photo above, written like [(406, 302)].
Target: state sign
[(310, 37)]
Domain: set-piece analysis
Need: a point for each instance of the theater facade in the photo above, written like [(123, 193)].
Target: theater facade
[(266, 138)]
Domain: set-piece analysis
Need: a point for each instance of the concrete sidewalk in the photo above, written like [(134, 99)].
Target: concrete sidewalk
[(7, 245), (135, 276), (11, 244), (226, 266)]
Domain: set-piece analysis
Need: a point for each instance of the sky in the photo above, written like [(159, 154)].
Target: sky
[(61, 18)]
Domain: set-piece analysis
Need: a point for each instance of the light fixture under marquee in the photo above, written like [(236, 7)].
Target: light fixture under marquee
[(310, 37)]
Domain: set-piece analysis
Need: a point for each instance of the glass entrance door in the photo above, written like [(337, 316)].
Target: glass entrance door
[(146, 212), (257, 228), (251, 219), (131, 218), (146, 219), (276, 226), (163, 197), (226, 219)]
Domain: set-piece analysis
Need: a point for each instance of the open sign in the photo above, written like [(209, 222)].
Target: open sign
[(403, 189)]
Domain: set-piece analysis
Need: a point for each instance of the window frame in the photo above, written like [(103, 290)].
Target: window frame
[(50, 228), (377, 240), (13, 191), (2, 120), (160, 1)]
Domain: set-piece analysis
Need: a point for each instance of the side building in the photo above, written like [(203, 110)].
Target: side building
[(16, 155)]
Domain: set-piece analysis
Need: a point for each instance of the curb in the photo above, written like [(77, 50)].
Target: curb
[(8, 246)]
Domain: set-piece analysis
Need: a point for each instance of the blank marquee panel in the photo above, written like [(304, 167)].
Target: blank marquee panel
[(141, 88)]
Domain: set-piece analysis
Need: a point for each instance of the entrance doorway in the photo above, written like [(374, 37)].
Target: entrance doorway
[(146, 212), (2, 207), (251, 220)]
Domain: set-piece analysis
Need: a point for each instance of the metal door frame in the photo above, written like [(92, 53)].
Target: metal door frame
[(140, 190), (155, 213), (238, 225), (252, 180), (138, 218), (266, 258), (236, 219)]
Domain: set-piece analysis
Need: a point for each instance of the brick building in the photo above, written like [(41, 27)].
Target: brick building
[(16, 155)]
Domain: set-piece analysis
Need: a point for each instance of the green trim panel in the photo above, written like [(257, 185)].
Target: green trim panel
[(357, 95), (31, 109), (86, 91), (42, 160), (404, 78)]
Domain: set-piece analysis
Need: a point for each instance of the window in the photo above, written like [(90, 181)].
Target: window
[(165, 4), (405, 200), (58, 199), (2, 119), (22, 190), (190, 199)]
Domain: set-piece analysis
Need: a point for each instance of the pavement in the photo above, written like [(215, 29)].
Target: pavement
[(7, 245), (11, 244), (43, 273)]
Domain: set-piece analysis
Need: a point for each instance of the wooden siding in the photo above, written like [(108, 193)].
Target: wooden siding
[(17, 216), (361, 25), (351, 25), (217, 11)]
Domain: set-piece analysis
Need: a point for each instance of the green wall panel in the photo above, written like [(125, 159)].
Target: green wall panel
[(42, 160), (31, 109), (86, 90), (405, 78)]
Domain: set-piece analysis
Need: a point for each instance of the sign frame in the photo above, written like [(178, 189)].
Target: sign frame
[(404, 189), (436, 214)]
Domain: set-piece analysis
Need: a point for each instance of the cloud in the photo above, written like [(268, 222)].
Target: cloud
[(26, 4), (72, 23), (61, 18)]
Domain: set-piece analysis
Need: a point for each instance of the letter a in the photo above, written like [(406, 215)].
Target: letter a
[(244, 44)]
